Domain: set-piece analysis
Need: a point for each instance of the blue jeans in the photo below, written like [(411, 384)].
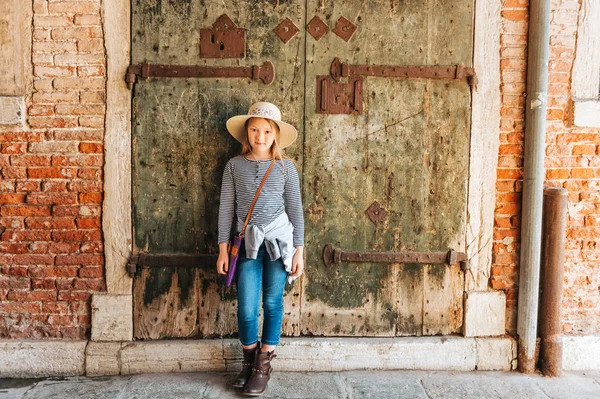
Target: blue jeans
[(252, 275)]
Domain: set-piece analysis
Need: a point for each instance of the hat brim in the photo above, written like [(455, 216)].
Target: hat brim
[(236, 126)]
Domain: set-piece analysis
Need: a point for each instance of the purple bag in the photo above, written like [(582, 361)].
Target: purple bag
[(234, 253)]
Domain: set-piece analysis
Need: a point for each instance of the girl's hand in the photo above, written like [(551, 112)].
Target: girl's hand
[(223, 259), (298, 262)]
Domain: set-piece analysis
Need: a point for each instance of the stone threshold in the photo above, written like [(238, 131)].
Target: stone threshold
[(23, 359)]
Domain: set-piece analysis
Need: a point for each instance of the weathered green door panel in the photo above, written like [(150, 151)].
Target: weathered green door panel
[(180, 147), (176, 162), (408, 150)]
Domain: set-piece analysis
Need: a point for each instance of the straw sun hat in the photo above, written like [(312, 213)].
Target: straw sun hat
[(236, 125)]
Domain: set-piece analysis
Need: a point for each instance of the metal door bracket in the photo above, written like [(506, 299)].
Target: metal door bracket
[(339, 98), (131, 267), (286, 30), (224, 40), (317, 28), (333, 255), (265, 72), (344, 28), (146, 260), (376, 213)]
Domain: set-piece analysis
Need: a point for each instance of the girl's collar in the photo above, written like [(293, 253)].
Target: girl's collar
[(257, 160)]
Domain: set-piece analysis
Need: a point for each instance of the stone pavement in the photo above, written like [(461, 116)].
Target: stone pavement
[(350, 384)]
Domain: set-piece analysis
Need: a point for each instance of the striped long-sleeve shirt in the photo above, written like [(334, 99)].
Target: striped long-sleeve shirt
[(281, 193)]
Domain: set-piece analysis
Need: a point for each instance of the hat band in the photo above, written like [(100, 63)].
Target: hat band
[(267, 113)]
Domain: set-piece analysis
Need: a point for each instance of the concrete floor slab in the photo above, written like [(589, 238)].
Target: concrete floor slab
[(383, 385), (481, 387), (579, 386), (324, 385)]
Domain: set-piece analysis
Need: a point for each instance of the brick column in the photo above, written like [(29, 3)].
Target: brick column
[(51, 190)]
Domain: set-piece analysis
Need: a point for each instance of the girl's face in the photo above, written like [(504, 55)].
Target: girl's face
[(261, 136)]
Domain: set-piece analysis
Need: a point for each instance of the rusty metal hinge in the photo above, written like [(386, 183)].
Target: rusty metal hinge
[(265, 72), (336, 97), (339, 70), (146, 260), (333, 255)]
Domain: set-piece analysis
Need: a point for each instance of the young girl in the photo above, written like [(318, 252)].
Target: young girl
[(274, 238)]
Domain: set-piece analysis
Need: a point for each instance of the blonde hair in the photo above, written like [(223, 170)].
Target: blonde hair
[(276, 151)]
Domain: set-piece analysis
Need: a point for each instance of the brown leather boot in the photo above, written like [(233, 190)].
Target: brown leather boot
[(247, 364), (261, 373)]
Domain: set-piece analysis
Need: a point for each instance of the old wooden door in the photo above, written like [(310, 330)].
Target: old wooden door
[(406, 148), (181, 147)]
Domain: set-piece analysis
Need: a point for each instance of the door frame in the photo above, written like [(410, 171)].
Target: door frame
[(117, 223)]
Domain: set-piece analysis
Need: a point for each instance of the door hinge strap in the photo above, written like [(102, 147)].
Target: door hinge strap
[(340, 70), (146, 260), (333, 255), (265, 72)]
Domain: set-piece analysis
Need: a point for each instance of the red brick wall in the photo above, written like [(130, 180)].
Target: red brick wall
[(51, 254), (571, 162)]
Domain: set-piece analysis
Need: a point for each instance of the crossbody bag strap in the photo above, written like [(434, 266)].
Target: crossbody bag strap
[(262, 183)]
